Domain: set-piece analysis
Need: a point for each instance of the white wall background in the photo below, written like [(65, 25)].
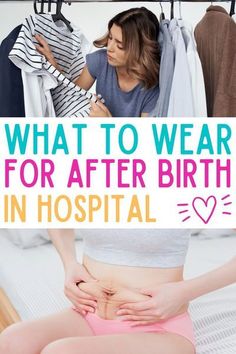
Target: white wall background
[(93, 17)]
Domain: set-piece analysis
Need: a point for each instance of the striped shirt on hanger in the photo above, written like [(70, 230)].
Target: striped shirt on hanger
[(69, 50)]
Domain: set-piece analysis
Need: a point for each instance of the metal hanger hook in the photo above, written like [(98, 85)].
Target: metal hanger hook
[(161, 6), (171, 9), (232, 8)]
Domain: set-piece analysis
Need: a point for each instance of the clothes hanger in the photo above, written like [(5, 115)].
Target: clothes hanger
[(49, 5), (35, 7), (59, 16), (232, 8), (171, 9), (162, 15), (41, 7)]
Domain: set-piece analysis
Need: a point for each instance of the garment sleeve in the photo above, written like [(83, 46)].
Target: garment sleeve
[(94, 61), (24, 54), (150, 100), (86, 45), (78, 61), (11, 87)]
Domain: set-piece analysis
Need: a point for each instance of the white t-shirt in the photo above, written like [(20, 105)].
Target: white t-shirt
[(195, 69), (181, 96)]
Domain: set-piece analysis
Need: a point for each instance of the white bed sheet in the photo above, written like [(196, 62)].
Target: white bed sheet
[(33, 280), (213, 315)]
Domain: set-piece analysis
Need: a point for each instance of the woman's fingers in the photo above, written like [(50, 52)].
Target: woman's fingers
[(87, 302), (78, 306), (43, 47), (138, 306), (135, 312), (82, 304), (40, 49), (81, 312), (138, 318), (39, 38), (41, 41), (99, 96), (81, 300), (97, 110), (142, 323), (98, 105), (94, 106), (93, 109), (101, 105), (78, 293), (83, 307)]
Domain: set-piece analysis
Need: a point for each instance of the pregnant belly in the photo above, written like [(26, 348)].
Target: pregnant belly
[(110, 297)]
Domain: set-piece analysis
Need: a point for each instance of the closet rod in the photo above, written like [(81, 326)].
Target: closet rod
[(88, 1), (84, 1)]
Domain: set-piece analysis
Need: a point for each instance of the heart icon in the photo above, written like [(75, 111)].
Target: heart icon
[(204, 208)]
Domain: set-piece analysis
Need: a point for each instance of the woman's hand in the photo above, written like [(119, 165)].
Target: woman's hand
[(166, 300), (83, 302), (98, 109), (44, 49)]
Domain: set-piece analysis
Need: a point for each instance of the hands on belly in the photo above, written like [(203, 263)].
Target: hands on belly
[(109, 298), (142, 307)]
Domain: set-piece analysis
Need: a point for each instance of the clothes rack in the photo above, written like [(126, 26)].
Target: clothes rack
[(69, 2), (90, 1)]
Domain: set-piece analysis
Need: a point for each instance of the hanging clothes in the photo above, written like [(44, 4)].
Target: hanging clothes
[(68, 100), (181, 96), (11, 87), (195, 70), (166, 70), (216, 42)]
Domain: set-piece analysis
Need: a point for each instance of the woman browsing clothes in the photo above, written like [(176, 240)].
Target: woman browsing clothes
[(126, 69)]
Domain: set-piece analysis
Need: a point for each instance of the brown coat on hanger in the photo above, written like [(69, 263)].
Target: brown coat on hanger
[(216, 42)]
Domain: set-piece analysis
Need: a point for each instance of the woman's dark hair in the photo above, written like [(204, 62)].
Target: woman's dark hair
[(140, 29)]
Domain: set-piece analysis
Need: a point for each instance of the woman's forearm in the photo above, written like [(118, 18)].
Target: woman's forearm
[(53, 61), (64, 242), (45, 50), (213, 280)]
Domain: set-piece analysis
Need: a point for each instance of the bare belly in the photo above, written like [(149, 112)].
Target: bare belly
[(117, 285)]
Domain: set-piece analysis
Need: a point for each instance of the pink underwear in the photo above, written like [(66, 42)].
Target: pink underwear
[(181, 325)]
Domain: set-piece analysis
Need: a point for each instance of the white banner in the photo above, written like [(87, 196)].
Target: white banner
[(118, 172)]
